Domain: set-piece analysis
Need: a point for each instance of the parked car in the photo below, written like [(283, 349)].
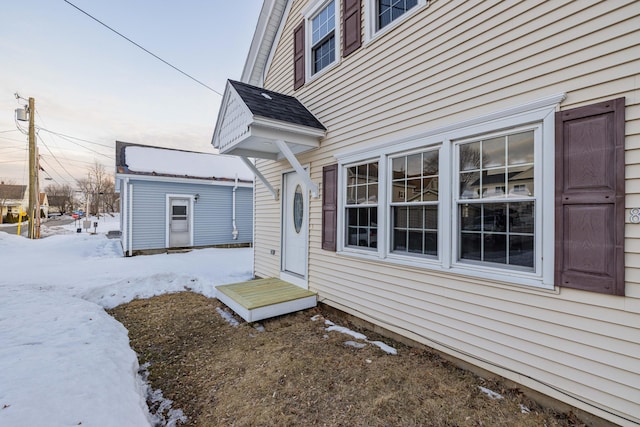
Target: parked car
[(54, 215)]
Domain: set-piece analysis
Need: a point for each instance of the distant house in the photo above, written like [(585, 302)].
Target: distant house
[(472, 181), (44, 205), (181, 199), (12, 199)]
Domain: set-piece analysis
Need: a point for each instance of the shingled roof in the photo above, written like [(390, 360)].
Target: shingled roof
[(12, 192), (274, 105)]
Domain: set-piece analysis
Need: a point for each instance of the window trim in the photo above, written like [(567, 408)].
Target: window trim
[(536, 114), (342, 225), (389, 204), (370, 27), (309, 13), (538, 200)]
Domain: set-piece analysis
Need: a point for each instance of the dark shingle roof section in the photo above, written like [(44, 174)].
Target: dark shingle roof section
[(275, 105), (12, 192)]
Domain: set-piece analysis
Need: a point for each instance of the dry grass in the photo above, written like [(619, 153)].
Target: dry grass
[(296, 373)]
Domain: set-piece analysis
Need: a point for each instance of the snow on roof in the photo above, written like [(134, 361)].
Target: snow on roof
[(163, 161)]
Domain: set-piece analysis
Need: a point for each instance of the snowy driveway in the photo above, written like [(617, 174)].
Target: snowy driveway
[(63, 360)]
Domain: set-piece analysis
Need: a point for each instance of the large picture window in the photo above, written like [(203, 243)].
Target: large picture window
[(361, 208), (470, 200), (414, 203), (496, 200)]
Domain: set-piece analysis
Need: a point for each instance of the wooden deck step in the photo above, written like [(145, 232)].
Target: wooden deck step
[(264, 298)]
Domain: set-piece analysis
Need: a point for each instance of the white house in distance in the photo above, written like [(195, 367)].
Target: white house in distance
[(182, 199), (471, 182)]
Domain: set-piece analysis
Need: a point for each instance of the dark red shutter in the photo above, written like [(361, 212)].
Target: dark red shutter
[(352, 34), (298, 56), (329, 206), (589, 251)]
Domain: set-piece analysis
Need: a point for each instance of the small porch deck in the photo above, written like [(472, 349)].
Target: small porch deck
[(264, 298)]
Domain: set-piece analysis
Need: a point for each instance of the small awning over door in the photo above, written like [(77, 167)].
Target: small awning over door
[(258, 123)]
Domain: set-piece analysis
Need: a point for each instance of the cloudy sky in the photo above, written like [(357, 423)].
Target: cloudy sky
[(92, 87)]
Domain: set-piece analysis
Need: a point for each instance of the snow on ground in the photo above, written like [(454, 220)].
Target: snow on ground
[(63, 360)]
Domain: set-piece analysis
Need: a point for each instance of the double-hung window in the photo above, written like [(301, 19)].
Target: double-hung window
[(361, 208), (414, 203), (323, 38), (496, 200)]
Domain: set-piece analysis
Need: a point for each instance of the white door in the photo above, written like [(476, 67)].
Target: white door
[(179, 223), (294, 225)]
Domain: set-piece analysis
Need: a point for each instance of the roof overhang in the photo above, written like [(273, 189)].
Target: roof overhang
[(261, 140), (241, 132)]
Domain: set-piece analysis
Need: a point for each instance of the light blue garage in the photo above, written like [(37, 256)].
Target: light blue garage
[(174, 199)]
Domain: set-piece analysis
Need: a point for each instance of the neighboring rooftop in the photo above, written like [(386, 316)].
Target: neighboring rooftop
[(12, 192), (147, 160)]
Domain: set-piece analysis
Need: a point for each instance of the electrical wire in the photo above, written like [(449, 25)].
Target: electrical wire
[(62, 135), (46, 162), (136, 44), (86, 148), (54, 157), (21, 141)]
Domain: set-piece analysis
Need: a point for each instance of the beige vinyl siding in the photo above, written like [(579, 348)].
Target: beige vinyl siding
[(450, 62)]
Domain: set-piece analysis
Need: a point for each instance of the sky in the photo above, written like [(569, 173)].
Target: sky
[(94, 87), (63, 360)]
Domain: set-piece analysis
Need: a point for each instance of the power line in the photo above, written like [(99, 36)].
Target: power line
[(44, 160), (73, 137), (86, 148), (136, 44), (54, 157)]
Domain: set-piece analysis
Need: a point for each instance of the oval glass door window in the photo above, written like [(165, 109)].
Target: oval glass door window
[(298, 208)]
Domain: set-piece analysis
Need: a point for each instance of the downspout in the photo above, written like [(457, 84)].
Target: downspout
[(130, 242), (234, 233)]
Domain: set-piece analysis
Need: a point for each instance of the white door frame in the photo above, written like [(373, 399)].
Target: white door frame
[(295, 279), (167, 217)]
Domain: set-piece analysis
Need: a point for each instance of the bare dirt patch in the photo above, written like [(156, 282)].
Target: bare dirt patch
[(295, 372)]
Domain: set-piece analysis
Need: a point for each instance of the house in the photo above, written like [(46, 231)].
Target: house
[(44, 205), (13, 198), (182, 199), (471, 184)]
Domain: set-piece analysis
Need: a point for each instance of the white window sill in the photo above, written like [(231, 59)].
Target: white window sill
[(312, 77), (502, 278)]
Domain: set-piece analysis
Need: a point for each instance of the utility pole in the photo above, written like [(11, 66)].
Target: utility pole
[(33, 177)]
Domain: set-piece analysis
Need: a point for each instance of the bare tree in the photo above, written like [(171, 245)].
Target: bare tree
[(110, 198), (60, 197), (95, 187)]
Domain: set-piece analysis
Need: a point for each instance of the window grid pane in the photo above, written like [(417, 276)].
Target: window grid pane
[(414, 203), (500, 233), (323, 38), (497, 180), (390, 10), (497, 167), (361, 207)]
